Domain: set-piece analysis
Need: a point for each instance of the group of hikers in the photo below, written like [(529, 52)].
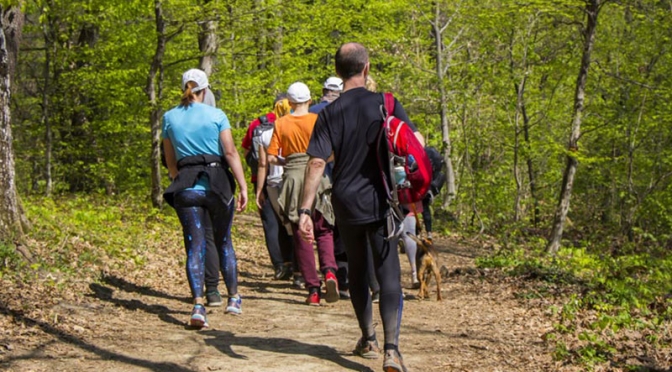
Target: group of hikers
[(314, 176)]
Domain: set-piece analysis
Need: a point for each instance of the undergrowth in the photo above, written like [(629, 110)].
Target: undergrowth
[(605, 299), (83, 234)]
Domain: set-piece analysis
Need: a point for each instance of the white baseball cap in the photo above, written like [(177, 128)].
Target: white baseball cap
[(298, 93), (334, 83), (197, 76)]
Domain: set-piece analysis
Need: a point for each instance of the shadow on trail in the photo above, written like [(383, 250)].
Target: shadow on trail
[(288, 301), (263, 285), (127, 286), (164, 313), (223, 341), (75, 341)]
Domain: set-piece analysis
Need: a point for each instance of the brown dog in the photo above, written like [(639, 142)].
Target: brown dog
[(426, 259)]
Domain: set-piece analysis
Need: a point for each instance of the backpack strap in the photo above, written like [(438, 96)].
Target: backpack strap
[(388, 99), (386, 110)]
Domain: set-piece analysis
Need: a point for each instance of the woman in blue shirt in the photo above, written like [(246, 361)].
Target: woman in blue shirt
[(201, 156)]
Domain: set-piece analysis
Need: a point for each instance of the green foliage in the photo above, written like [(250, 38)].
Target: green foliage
[(82, 232), (10, 260), (625, 292), (84, 64), (100, 130)]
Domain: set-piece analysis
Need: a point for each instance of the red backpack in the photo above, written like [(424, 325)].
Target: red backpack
[(409, 166)]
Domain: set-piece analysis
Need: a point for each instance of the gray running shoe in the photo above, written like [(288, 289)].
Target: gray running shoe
[(393, 362), (367, 349), (298, 282), (213, 298)]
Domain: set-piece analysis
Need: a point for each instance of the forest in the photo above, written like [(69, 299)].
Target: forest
[(554, 118)]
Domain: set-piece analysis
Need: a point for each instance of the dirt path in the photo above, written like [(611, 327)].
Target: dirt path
[(136, 322)]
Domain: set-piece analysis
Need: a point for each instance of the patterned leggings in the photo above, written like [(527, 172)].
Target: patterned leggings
[(191, 206)]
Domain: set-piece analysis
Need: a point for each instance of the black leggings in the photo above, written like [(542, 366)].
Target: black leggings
[(387, 270), (211, 257), (426, 214), (278, 241)]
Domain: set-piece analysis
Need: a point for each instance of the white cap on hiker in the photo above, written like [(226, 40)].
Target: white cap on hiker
[(197, 76), (298, 93), (334, 83)]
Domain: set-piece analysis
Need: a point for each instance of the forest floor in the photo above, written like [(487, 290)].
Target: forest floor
[(127, 319)]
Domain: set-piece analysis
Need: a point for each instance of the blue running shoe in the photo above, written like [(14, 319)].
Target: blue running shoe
[(235, 305), (198, 317)]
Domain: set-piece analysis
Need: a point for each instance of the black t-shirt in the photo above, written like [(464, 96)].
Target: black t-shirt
[(349, 127)]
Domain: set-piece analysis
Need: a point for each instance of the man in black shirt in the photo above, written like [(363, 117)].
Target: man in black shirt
[(348, 129)]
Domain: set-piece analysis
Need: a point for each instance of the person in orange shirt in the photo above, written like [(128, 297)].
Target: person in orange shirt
[(290, 138)]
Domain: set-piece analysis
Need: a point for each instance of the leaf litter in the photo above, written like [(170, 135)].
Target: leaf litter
[(118, 315)]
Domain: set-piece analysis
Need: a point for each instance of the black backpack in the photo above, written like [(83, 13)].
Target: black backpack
[(438, 177), (252, 158)]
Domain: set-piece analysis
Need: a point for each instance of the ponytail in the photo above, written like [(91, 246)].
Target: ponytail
[(188, 97)]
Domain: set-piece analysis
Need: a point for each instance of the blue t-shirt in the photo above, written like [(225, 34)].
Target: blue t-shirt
[(194, 130)]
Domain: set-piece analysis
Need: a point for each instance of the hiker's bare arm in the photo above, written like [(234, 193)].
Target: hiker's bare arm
[(331, 158), (275, 160), (420, 138), (233, 159), (261, 177), (314, 174), (171, 159)]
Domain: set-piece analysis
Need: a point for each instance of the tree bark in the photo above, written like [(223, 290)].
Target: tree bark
[(154, 94), (207, 43), (46, 90), (438, 29), (592, 11), (531, 174), (81, 130), (520, 89), (13, 222)]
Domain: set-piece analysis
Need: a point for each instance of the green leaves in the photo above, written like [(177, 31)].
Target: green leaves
[(489, 48)]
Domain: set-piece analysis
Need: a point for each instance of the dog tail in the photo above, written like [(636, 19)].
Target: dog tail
[(424, 244)]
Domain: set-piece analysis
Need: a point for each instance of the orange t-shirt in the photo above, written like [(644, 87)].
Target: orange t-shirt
[(292, 134)]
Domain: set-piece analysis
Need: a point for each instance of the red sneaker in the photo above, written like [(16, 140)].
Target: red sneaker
[(332, 294), (313, 298)]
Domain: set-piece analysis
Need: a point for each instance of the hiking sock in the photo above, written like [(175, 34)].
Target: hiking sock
[(391, 347)]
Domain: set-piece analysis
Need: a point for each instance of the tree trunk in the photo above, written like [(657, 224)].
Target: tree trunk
[(154, 91), (531, 174), (437, 32), (13, 222), (46, 89), (154, 96), (592, 12), (207, 43), (81, 131), (516, 144)]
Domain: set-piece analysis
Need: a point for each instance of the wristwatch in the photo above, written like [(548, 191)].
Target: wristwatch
[(304, 211)]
